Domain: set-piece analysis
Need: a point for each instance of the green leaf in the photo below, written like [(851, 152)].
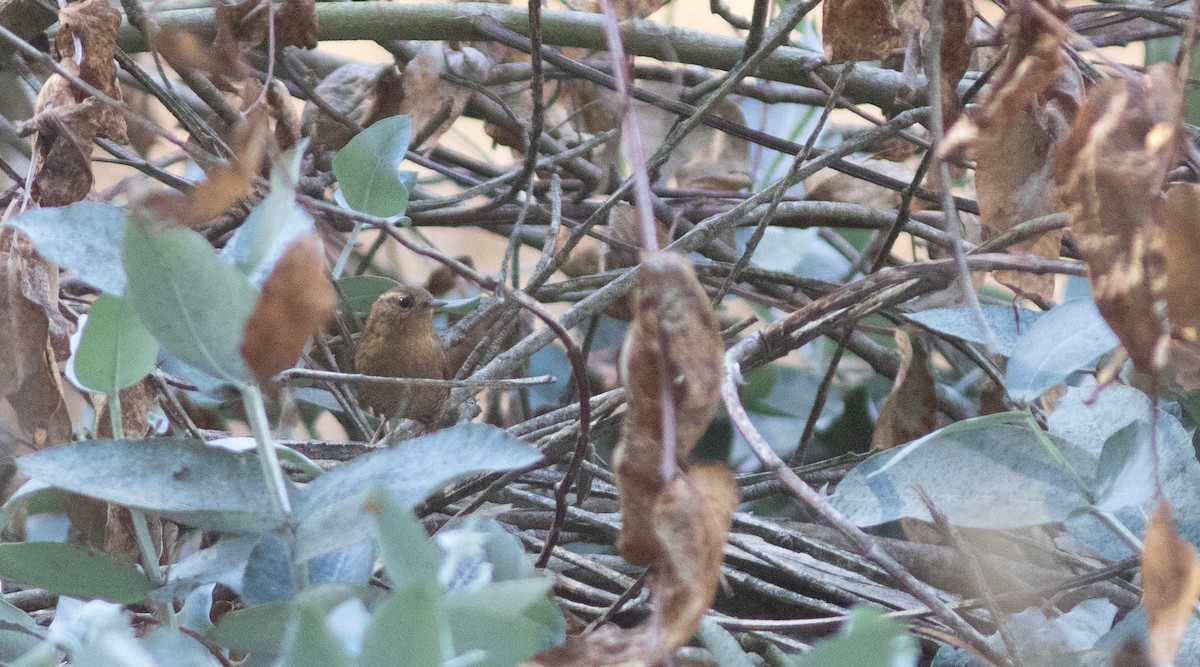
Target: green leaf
[(368, 168), (505, 638), (115, 350), (868, 639), (511, 597), (268, 574), (329, 510), (71, 570), (185, 480), (1005, 323), (981, 473), (257, 630), (409, 629), (19, 634), (460, 306), (195, 304), (84, 238), (409, 556), (1061, 342), (360, 292), (313, 644)]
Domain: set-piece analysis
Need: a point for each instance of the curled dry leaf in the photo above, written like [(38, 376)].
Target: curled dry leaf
[(675, 521), (431, 101), (910, 410), (296, 302), (224, 184), (363, 94), (1182, 220), (67, 120), (1012, 135), (674, 342), (1170, 584), (956, 48), (243, 25), (861, 29), (296, 24), (691, 521), (1111, 171), (34, 336)]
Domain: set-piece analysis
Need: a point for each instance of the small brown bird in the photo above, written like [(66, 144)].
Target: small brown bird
[(398, 341)]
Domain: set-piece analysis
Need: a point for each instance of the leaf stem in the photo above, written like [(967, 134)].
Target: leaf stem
[(256, 413)]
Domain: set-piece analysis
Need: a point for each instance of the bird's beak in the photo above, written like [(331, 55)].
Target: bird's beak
[(437, 303)]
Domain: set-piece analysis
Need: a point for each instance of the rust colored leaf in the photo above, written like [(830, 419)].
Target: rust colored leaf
[(1170, 584), (432, 102), (861, 29), (1111, 171), (34, 336), (1012, 135), (296, 24), (691, 521), (957, 16), (296, 302), (910, 410), (67, 120), (351, 90), (1182, 221), (672, 342), (93, 26), (243, 26), (225, 184)]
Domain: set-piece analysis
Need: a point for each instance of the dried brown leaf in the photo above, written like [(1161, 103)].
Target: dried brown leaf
[(296, 24), (430, 101), (691, 521), (351, 90), (910, 410), (861, 29), (1182, 220), (1170, 584), (673, 341), (67, 119), (226, 183), (33, 335), (136, 403), (1012, 135), (296, 302), (1111, 171), (93, 26)]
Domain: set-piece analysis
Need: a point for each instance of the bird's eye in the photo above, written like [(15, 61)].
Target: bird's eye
[(406, 302)]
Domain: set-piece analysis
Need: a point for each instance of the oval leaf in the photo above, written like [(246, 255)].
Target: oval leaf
[(368, 168), (71, 570), (115, 350), (1061, 342), (195, 304), (186, 480), (358, 293), (85, 238), (330, 510), (995, 475)]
